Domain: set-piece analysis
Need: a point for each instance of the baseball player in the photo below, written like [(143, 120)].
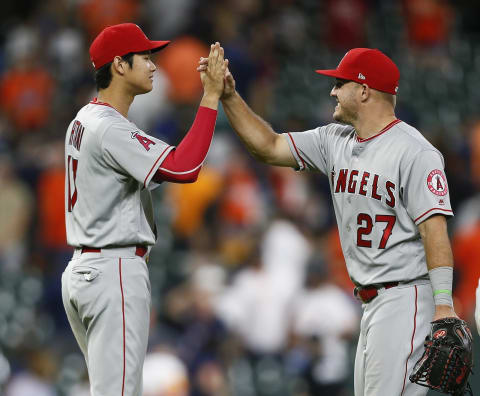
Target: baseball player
[(111, 166), (391, 200)]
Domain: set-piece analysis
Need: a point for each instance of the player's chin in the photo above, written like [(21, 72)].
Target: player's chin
[(146, 88), (337, 116)]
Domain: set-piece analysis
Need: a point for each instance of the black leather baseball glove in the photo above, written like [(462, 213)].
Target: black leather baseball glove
[(448, 358)]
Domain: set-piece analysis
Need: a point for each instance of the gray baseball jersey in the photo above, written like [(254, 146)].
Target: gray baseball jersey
[(109, 165), (382, 188)]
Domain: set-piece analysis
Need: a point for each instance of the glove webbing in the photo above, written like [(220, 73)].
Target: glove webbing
[(453, 369)]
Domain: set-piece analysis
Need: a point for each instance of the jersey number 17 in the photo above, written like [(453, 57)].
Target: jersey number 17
[(72, 165)]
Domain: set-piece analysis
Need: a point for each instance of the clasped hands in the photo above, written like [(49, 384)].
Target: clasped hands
[(216, 56)]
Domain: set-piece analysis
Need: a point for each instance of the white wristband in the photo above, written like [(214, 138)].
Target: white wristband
[(441, 279)]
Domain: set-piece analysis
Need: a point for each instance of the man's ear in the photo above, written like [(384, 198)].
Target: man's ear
[(118, 65), (365, 94)]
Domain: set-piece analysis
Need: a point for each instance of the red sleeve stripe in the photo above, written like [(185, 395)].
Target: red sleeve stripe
[(296, 150), (448, 211), (160, 157), (123, 315)]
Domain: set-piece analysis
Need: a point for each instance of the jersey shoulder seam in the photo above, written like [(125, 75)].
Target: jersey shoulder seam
[(337, 126), (424, 145)]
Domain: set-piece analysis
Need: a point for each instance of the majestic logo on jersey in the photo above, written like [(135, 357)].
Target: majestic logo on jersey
[(437, 183), (364, 184), (144, 141), (76, 135)]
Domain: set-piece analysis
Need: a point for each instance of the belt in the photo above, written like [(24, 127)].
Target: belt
[(368, 293), (140, 250)]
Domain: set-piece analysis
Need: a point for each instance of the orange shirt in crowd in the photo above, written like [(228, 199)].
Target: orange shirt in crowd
[(241, 203), (98, 14), (336, 261), (179, 62), (25, 97), (428, 21), (191, 200), (51, 212), (467, 266)]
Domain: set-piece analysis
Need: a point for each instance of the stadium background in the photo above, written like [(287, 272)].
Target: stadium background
[(249, 289)]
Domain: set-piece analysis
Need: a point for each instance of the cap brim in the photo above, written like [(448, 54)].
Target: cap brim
[(158, 45), (331, 73)]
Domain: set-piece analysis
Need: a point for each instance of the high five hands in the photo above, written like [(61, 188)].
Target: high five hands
[(206, 64), (213, 71)]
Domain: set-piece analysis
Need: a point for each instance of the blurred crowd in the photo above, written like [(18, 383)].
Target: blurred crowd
[(250, 293)]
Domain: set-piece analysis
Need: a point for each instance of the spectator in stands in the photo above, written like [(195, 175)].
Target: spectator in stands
[(346, 22), (97, 14), (26, 88), (429, 22), (467, 236), (164, 374), (325, 319), (429, 25), (50, 235), (179, 64), (16, 202), (38, 377)]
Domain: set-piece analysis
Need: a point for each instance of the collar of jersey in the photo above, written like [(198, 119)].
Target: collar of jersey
[(394, 122), (97, 102)]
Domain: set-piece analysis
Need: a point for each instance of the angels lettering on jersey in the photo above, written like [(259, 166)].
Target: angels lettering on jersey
[(363, 183)]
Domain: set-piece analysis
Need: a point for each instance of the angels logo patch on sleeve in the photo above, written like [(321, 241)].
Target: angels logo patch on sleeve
[(144, 141), (437, 183)]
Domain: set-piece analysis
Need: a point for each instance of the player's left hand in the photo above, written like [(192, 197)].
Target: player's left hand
[(447, 360)]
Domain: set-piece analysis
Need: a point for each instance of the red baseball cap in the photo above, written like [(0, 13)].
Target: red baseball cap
[(367, 66), (119, 40)]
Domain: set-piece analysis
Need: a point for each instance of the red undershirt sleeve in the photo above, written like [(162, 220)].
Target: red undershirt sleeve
[(183, 163)]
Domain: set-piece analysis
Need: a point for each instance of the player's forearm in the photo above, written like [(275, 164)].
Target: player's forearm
[(256, 134), (434, 234), (182, 164), (439, 263)]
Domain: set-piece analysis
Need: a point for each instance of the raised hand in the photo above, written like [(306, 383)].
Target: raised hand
[(229, 81), (229, 85), (213, 71)]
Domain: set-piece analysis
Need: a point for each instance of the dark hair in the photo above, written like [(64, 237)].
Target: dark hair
[(103, 76)]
